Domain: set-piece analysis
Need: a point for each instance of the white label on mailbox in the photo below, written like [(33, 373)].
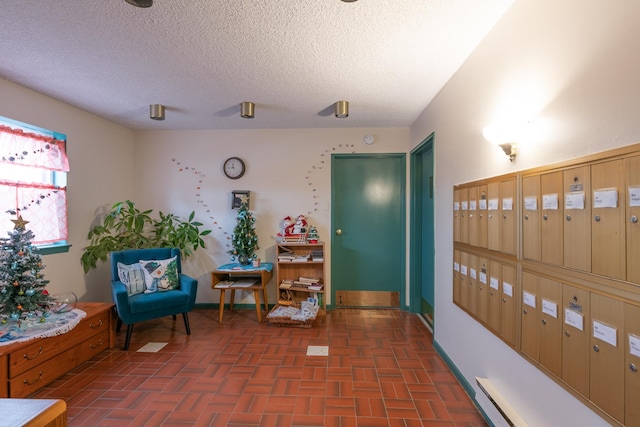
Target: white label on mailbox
[(493, 204), (465, 205), (456, 206), (494, 283), (507, 204), (605, 198), (550, 308), (605, 333), (483, 278), (456, 266), (483, 204), (634, 345), (473, 273), (574, 319), (531, 203), (634, 196), (550, 201), (463, 269), (472, 205), (574, 200), (507, 289), (529, 299)]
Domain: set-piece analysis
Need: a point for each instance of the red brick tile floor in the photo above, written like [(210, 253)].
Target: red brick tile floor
[(382, 370)]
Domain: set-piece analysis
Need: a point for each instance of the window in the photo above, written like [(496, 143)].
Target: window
[(33, 175)]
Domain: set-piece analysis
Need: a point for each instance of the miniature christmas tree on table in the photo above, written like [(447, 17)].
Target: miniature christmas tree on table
[(22, 285), (244, 239)]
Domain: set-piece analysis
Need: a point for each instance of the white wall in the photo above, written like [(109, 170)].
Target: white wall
[(101, 160), (288, 173), (572, 68)]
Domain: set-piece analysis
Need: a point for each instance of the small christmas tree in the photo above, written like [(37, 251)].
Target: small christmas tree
[(244, 239), (22, 285), (313, 236)]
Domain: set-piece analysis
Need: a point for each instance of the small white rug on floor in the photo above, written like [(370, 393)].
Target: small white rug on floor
[(152, 347), (318, 350)]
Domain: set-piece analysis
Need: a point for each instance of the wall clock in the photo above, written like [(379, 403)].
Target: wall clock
[(233, 167)]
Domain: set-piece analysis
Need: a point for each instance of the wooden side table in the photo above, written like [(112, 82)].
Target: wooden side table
[(234, 272)]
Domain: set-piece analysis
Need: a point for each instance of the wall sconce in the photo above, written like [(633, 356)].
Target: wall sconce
[(505, 137), (510, 149), (156, 111), (246, 110), (342, 109)]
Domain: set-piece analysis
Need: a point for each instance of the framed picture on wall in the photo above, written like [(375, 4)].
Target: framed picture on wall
[(238, 197)]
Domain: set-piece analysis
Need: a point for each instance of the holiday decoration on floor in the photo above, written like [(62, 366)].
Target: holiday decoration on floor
[(22, 285), (244, 239)]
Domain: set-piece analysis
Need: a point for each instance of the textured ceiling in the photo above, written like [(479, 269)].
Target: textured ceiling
[(201, 58)]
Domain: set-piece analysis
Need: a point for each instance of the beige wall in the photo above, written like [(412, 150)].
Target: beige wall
[(572, 68), (288, 173)]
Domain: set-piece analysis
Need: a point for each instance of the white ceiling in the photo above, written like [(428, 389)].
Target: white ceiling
[(201, 58)]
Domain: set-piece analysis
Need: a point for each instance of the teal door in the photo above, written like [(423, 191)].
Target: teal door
[(368, 229), (422, 230)]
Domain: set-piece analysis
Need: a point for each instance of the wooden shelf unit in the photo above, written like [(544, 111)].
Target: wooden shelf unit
[(293, 270)]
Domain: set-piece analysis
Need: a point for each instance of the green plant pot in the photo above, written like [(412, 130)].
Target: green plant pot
[(243, 259)]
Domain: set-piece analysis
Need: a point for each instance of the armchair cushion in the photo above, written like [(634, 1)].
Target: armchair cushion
[(132, 275), (160, 275)]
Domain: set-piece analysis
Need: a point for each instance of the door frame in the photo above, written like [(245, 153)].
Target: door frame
[(415, 223)]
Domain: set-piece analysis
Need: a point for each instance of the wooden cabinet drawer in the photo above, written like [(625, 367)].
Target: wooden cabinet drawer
[(45, 372), (43, 349)]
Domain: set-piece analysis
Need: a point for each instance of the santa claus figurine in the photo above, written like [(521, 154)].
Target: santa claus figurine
[(287, 226), (300, 227)]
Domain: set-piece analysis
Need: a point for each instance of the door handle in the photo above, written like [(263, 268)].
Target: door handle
[(338, 232)]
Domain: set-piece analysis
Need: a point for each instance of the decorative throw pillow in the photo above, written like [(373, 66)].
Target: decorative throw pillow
[(133, 277), (161, 274)]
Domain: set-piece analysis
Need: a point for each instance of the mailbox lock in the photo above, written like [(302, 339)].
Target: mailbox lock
[(545, 217), (504, 216), (596, 348), (633, 367), (634, 219), (480, 215), (597, 218), (567, 333), (568, 217), (490, 215), (524, 311), (544, 321), (526, 217), (504, 300), (470, 215)]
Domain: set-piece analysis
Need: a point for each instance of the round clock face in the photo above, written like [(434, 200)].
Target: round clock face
[(233, 167)]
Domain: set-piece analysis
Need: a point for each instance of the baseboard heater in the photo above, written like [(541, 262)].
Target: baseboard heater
[(510, 415)]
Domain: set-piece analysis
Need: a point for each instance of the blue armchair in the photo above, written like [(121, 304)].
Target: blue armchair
[(145, 306)]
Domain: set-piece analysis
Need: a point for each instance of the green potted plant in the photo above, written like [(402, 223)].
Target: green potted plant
[(127, 227)]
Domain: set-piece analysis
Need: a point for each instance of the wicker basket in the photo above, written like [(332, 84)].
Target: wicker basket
[(287, 321)]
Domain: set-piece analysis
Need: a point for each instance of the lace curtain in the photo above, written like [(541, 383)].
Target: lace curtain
[(43, 204)]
